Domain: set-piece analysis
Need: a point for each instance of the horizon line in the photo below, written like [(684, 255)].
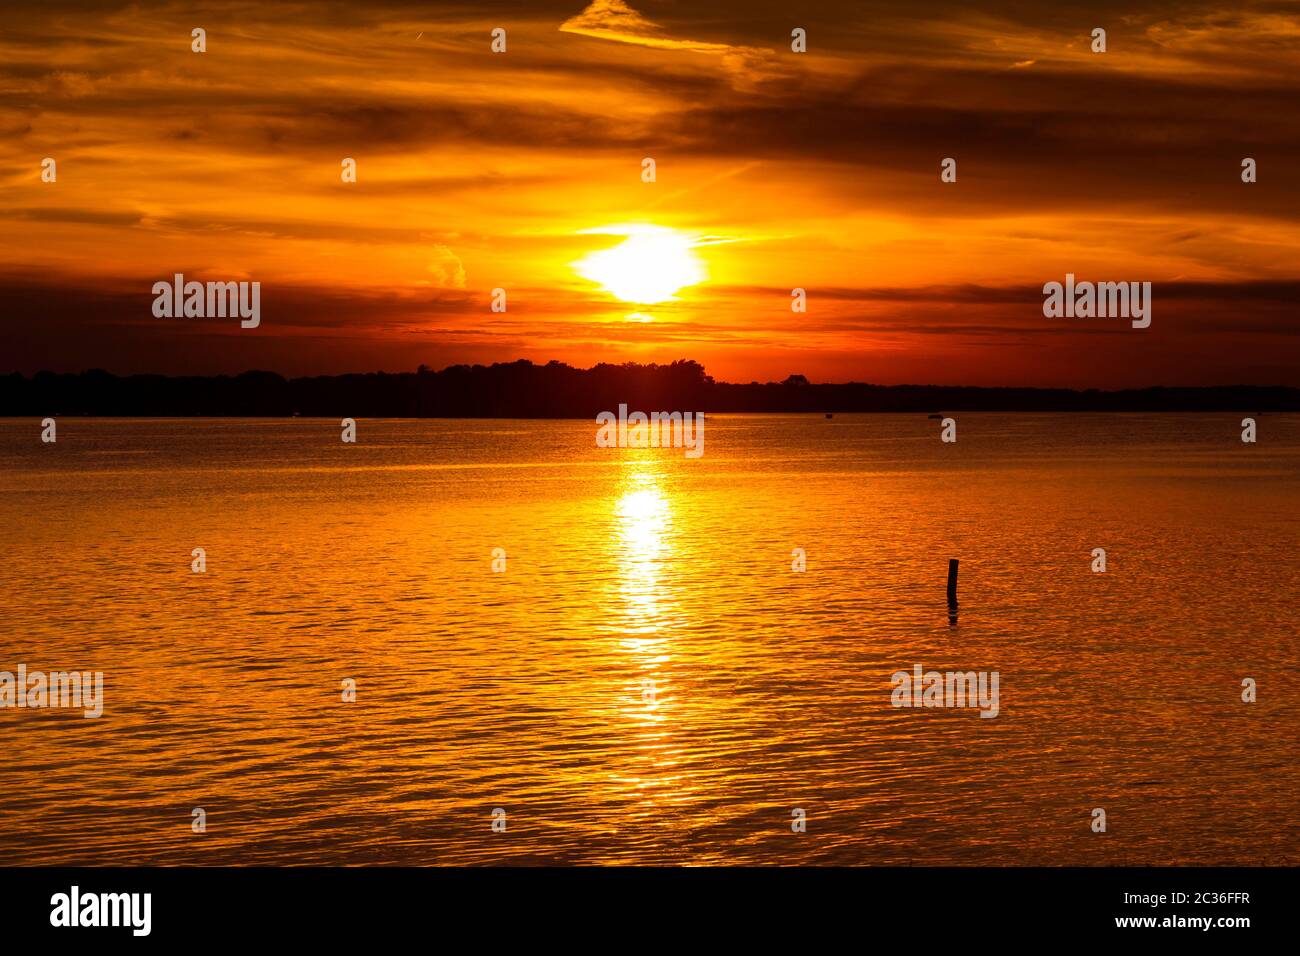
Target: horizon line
[(793, 379)]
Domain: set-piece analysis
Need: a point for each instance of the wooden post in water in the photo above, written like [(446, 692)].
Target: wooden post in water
[(952, 582)]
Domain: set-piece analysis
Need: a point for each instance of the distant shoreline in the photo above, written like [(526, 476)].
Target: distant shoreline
[(813, 416), (522, 390)]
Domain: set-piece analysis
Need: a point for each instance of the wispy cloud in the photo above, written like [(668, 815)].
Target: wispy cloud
[(616, 21)]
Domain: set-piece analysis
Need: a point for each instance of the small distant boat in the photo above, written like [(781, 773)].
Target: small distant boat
[(829, 415)]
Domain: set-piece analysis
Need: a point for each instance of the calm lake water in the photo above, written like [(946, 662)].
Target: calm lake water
[(526, 690)]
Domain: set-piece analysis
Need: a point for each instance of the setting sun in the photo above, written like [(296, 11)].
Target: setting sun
[(649, 266)]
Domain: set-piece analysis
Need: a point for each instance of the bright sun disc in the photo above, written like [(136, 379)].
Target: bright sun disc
[(649, 266)]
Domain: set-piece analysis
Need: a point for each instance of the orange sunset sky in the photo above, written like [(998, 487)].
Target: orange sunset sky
[(775, 170)]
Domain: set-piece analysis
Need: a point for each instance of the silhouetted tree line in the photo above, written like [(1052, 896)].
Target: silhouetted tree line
[(555, 390)]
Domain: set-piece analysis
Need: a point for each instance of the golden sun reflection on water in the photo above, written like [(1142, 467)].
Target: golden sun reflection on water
[(644, 517)]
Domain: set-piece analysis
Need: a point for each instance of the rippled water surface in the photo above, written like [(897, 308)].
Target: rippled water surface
[(526, 690)]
